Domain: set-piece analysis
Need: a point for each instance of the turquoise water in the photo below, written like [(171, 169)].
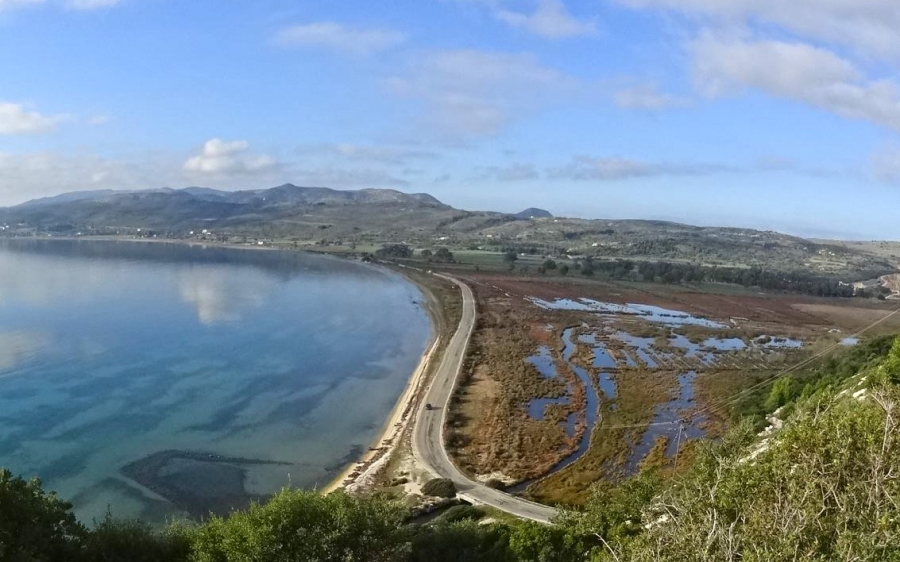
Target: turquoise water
[(158, 380)]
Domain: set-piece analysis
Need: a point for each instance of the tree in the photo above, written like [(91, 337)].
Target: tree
[(443, 255), (782, 392), (426, 253), (564, 269), (587, 267), (549, 265), (36, 526), (510, 257), (400, 251)]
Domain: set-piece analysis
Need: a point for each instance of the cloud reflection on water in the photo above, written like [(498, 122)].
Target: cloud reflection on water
[(16, 347), (218, 299)]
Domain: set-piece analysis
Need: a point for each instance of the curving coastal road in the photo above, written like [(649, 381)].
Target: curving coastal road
[(428, 435)]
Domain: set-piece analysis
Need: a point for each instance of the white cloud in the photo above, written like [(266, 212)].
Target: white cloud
[(550, 19), (15, 119), (41, 174), (228, 158), (794, 71), (474, 93), (869, 26), (90, 4), (97, 120), (586, 168), (9, 4), (341, 38), (512, 172), (646, 96)]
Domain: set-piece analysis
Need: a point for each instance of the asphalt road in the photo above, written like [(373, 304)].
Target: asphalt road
[(428, 436)]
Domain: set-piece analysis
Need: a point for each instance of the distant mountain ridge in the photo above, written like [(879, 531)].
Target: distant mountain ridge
[(284, 212), (304, 216), (283, 194)]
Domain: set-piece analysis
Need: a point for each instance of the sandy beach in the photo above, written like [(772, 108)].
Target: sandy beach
[(364, 470)]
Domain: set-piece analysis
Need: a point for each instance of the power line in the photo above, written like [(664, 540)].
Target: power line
[(715, 407), (720, 404)]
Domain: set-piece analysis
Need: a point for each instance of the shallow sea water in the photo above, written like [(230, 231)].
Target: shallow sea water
[(159, 380)]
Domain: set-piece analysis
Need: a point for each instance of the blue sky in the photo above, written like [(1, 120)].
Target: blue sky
[(763, 113)]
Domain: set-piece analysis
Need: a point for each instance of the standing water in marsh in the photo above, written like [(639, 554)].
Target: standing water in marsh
[(161, 380)]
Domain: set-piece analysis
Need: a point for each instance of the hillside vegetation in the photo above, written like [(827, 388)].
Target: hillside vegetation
[(825, 487)]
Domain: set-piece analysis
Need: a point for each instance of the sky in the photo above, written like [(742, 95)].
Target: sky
[(757, 113)]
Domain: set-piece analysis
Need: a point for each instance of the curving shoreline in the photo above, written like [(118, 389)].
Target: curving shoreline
[(360, 472), (364, 470)]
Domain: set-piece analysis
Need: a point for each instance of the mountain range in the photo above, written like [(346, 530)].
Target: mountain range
[(369, 217)]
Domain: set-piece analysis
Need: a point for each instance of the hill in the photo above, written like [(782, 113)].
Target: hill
[(301, 216), (533, 213), (287, 210)]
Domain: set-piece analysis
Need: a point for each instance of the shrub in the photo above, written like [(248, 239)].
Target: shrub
[(534, 542), (297, 525), (495, 484), (439, 488), (461, 513), (463, 541), (134, 541)]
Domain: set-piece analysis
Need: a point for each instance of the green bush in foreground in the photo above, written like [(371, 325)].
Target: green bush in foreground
[(134, 541), (297, 525), (35, 526)]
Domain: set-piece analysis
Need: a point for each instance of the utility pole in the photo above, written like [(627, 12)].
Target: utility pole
[(678, 445)]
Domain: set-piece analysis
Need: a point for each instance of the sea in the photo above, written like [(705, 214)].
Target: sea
[(160, 381)]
